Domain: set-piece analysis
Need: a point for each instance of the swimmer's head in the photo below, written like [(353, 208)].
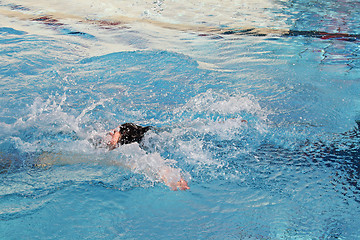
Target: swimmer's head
[(127, 133)]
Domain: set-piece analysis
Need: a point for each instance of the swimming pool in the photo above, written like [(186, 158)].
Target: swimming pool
[(195, 71)]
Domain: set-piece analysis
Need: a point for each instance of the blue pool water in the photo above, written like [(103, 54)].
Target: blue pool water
[(291, 171)]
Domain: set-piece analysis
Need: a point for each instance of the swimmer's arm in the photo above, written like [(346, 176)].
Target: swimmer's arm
[(165, 174), (168, 175)]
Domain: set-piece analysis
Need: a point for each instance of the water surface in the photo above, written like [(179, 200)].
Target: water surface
[(194, 70)]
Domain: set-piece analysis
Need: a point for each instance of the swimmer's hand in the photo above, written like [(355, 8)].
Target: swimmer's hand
[(166, 178), (181, 185)]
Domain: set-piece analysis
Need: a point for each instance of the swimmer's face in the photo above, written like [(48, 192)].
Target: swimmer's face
[(115, 137)]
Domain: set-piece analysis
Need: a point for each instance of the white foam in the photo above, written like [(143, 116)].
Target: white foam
[(224, 104), (152, 165)]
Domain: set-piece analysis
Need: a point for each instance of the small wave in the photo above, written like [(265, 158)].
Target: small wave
[(17, 207), (7, 30)]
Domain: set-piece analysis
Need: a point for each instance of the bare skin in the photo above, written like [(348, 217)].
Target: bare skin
[(165, 175), (181, 184), (115, 137)]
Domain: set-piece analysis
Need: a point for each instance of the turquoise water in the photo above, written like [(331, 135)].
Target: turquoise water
[(290, 172)]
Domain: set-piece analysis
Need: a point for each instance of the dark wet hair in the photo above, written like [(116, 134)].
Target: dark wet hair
[(131, 132)]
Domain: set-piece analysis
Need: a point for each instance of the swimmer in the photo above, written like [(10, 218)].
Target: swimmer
[(129, 133)]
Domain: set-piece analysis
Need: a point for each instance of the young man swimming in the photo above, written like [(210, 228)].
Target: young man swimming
[(129, 133)]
